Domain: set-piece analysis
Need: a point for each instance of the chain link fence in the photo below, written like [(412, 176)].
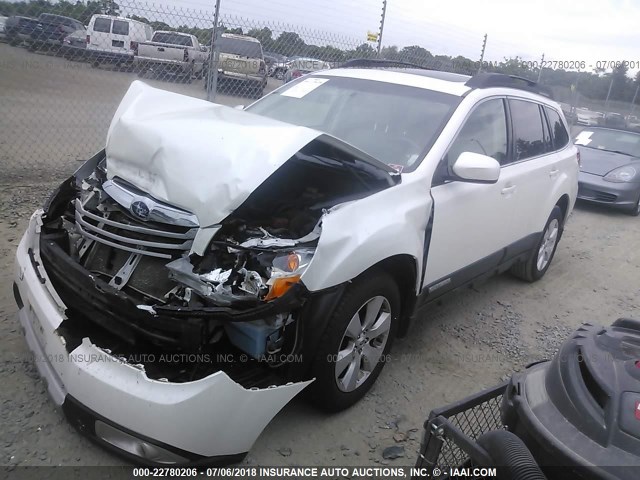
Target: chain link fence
[(67, 65)]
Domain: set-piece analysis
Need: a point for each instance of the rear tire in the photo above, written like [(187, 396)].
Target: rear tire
[(540, 257), (354, 346)]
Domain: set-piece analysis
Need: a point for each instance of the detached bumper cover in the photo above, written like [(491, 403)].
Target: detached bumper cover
[(213, 418), (594, 189)]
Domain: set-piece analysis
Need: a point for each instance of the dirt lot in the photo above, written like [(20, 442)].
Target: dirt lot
[(54, 112), (594, 277)]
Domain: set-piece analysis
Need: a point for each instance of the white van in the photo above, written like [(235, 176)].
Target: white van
[(113, 39)]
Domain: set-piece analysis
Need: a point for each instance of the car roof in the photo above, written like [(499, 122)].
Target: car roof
[(240, 37), (171, 31), (111, 17), (446, 82), (403, 76)]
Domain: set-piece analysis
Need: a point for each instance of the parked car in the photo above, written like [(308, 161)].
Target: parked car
[(276, 64), (18, 29), (51, 30), (587, 117), (3, 32), (214, 262), (303, 65), (241, 64), (172, 53), (610, 168), (633, 122), (114, 39), (612, 119), (74, 46)]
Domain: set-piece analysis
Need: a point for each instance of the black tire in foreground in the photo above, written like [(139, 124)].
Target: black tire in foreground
[(354, 347), (537, 264)]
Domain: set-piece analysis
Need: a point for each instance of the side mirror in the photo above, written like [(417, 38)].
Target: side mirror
[(476, 168), (239, 107)]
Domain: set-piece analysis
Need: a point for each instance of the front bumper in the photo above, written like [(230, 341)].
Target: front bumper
[(211, 420), (163, 63), (594, 189), (242, 77)]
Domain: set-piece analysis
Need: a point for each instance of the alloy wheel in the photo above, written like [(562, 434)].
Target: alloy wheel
[(363, 343), (549, 240)]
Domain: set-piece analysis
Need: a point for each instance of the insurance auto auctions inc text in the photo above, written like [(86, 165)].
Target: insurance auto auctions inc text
[(350, 472)]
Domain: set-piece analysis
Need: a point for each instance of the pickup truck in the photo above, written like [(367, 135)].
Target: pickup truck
[(171, 53)]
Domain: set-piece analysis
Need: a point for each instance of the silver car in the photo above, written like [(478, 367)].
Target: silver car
[(610, 168)]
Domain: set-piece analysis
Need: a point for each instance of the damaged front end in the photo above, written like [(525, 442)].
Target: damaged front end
[(141, 276), (166, 278)]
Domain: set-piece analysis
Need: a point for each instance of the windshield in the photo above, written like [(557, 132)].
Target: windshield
[(172, 38), (396, 124), (612, 140), (244, 48)]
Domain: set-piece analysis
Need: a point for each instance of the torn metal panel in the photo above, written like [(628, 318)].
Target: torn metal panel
[(356, 235)]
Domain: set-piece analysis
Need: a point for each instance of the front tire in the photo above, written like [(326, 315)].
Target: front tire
[(539, 260), (635, 211), (353, 348)]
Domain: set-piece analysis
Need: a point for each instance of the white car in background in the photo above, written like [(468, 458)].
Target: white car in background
[(171, 53), (3, 34), (211, 263), (241, 64), (114, 39), (588, 117)]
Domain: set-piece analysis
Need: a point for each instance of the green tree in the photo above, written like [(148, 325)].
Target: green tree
[(265, 35), (415, 54), (621, 83)]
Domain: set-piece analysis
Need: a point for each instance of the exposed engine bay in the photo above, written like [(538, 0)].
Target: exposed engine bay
[(139, 275)]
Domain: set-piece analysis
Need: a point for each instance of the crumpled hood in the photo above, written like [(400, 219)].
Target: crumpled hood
[(199, 156)]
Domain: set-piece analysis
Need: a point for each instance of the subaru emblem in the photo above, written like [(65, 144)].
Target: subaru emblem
[(140, 210)]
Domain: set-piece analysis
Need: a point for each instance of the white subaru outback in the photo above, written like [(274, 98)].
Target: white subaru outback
[(210, 263)]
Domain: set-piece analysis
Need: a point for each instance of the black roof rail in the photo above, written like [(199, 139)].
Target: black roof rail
[(488, 80), (380, 63)]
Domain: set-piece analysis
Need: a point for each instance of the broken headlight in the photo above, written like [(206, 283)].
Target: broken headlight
[(286, 271)]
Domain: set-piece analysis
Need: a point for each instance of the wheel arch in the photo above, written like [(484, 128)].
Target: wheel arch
[(403, 269), (563, 203)]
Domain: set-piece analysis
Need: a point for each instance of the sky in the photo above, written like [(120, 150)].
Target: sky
[(585, 30)]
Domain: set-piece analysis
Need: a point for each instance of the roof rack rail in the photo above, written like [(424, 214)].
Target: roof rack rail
[(488, 80), (380, 63)]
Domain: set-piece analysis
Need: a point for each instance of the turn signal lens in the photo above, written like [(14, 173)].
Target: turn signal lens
[(293, 262), (281, 285)]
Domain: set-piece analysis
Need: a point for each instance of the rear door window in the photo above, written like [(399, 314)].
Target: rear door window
[(120, 27), (172, 38), (243, 48), (102, 25), (559, 134), (528, 129)]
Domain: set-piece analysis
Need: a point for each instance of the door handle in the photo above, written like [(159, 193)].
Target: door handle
[(554, 173), (508, 190)]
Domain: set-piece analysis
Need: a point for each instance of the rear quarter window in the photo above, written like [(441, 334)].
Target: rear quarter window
[(102, 25), (559, 134)]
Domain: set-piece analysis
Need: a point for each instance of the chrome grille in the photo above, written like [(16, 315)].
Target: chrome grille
[(120, 230)]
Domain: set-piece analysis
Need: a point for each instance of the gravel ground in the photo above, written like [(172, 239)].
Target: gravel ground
[(469, 341)]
